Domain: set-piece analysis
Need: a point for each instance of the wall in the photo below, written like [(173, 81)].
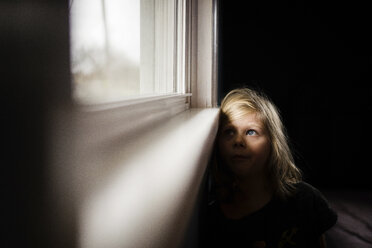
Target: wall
[(139, 189), (35, 81), (62, 188), (312, 59)]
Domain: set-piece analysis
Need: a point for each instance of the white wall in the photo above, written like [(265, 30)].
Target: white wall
[(136, 189), (128, 176)]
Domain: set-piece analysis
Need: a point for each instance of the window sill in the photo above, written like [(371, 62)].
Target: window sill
[(104, 122), (136, 100)]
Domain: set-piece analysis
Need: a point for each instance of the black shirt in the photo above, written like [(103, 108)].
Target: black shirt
[(296, 222)]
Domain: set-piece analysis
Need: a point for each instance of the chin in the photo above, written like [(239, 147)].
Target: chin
[(240, 170), (245, 171)]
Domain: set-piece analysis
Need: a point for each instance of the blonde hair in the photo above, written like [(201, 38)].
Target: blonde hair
[(282, 171)]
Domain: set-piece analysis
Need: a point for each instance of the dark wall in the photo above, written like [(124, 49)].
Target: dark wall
[(313, 59), (35, 79)]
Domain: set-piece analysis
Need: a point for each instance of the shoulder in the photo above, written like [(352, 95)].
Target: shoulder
[(309, 193), (310, 196), (310, 200), (306, 190)]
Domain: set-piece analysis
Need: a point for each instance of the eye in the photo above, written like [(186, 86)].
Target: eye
[(251, 132), (229, 132)]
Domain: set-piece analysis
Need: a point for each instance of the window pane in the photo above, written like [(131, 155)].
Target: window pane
[(122, 48)]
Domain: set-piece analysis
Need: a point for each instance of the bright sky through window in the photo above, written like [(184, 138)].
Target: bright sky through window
[(105, 47), (126, 48)]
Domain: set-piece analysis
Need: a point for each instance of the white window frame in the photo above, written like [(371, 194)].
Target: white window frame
[(199, 73), (161, 39)]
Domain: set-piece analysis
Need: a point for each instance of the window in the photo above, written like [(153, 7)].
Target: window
[(121, 49)]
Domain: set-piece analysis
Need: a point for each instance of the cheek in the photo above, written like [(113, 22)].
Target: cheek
[(261, 150), (223, 148), (264, 152)]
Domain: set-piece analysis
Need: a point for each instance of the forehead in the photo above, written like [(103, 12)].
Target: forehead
[(248, 119)]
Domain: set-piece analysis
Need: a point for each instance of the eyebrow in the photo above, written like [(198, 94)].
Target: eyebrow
[(249, 124), (254, 124)]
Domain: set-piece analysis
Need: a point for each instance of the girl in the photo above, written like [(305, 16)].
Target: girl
[(260, 198)]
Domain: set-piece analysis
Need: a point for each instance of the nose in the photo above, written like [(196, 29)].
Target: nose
[(239, 142)]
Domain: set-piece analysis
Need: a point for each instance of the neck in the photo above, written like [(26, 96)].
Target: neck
[(253, 189), (251, 195)]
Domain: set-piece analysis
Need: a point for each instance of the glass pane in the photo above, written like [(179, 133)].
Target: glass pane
[(122, 48)]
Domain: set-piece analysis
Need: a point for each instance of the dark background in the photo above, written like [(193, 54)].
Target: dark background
[(313, 59)]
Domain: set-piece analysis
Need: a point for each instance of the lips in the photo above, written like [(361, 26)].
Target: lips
[(240, 157)]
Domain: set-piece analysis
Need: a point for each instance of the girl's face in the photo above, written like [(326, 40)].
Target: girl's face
[(244, 146)]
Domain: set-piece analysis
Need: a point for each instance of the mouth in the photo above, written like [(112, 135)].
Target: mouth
[(240, 157)]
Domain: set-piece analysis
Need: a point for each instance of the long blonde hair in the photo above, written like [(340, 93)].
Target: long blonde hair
[(282, 171)]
